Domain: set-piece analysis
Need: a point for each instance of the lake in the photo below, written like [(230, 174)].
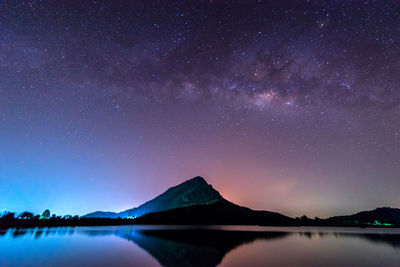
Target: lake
[(199, 246)]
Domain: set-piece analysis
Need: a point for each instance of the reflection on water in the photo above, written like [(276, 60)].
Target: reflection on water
[(195, 246), (385, 239)]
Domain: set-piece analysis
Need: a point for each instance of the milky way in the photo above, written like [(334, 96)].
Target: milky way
[(292, 106)]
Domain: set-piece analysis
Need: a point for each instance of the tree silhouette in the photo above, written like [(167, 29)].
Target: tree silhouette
[(45, 214), (27, 215), (8, 216)]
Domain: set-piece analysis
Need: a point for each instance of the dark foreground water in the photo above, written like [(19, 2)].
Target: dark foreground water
[(199, 246)]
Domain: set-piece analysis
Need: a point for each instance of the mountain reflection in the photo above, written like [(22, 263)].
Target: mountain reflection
[(194, 247), (189, 247), (198, 246)]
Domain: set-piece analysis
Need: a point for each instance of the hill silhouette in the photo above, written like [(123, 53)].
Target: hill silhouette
[(378, 217)]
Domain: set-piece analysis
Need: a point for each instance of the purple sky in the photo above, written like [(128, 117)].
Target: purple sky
[(289, 106)]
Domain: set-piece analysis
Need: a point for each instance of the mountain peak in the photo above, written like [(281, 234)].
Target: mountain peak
[(197, 179), (194, 191)]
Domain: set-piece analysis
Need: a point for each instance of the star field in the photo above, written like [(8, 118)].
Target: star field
[(292, 106)]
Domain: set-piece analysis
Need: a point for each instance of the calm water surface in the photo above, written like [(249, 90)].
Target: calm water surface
[(199, 246)]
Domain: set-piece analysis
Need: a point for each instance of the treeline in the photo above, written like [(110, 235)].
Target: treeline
[(28, 219), (305, 221)]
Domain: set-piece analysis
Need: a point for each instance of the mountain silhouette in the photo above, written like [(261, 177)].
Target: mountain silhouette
[(195, 191), (196, 202)]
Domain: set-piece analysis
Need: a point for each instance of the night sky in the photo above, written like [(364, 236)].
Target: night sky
[(289, 106)]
